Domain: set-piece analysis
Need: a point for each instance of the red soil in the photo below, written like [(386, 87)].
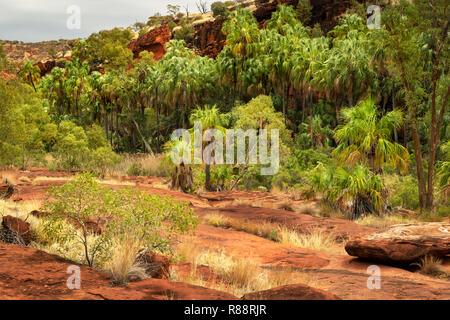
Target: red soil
[(27, 273)]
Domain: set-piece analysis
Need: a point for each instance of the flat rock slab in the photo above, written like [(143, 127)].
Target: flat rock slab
[(291, 292), (403, 243)]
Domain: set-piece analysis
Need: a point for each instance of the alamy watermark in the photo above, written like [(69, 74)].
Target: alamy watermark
[(374, 21), (242, 147), (374, 280), (74, 281), (74, 20)]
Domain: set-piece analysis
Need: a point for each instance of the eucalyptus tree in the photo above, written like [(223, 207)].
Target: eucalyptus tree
[(416, 37)]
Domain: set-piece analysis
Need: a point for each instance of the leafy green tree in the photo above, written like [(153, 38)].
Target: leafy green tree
[(415, 35), (152, 221), (219, 9), (72, 146)]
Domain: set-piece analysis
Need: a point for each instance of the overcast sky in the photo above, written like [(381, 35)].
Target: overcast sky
[(38, 20)]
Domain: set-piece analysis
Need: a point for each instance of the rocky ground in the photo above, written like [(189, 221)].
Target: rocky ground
[(27, 273)]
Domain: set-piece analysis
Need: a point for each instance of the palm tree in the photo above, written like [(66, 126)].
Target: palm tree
[(357, 189), (30, 72), (210, 118), (242, 41), (366, 138)]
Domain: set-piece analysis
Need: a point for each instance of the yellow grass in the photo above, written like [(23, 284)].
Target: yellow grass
[(25, 179), (240, 276), (317, 240), (122, 264), (152, 165), (314, 239), (39, 179), (432, 266), (384, 221)]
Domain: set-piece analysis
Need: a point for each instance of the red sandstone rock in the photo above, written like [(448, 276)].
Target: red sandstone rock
[(403, 243), (291, 292), (157, 265), (209, 39), (20, 227), (153, 41), (6, 191), (39, 214)]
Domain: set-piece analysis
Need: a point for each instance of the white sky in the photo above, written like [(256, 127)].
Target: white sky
[(39, 20)]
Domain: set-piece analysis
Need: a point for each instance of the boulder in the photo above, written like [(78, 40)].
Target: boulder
[(291, 292), (153, 41), (39, 214), (19, 227), (6, 191), (157, 266), (402, 244)]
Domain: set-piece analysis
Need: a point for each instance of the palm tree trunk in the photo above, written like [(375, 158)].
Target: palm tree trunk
[(208, 177), (32, 82)]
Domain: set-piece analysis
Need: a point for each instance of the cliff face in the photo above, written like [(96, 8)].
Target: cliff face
[(209, 39), (47, 54), (153, 41)]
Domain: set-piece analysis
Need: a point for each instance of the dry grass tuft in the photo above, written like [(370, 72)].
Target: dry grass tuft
[(432, 266), (261, 229), (122, 265), (314, 239), (25, 179), (8, 176), (285, 204), (238, 276), (384, 221), (150, 165)]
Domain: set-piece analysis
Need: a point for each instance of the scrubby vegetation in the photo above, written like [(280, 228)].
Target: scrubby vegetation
[(112, 226)]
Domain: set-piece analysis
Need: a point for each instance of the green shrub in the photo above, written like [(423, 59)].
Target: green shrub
[(219, 9), (152, 221), (402, 192), (72, 146), (102, 159), (77, 202), (135, 169)]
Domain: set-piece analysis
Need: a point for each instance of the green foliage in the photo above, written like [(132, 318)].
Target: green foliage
[(219, 9), (304, 11), (72, 147), (186, 32), (77, 202), (102, 159), (366, 138), (151, 220), (402, 192), (154, 221), (357, 188)]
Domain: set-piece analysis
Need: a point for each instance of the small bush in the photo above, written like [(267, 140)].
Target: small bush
[(402, 191), (130, 217), (219, 9)]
